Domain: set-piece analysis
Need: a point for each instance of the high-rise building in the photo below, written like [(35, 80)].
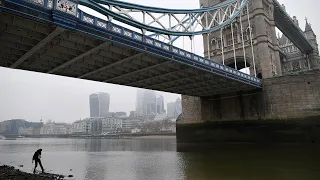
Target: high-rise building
[(170, 109), (160, 105), (149, 103), (146, 102), (174, 109), (99, 104), (139, 103)]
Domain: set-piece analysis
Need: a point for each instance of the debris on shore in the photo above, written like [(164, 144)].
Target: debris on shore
[(9, 172)]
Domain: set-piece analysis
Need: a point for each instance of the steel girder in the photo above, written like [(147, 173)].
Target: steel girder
[(176, 22)]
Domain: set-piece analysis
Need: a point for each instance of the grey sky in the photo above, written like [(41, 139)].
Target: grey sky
[(32, 95)]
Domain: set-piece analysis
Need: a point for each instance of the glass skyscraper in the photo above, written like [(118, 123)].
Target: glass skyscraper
[(99, 104)]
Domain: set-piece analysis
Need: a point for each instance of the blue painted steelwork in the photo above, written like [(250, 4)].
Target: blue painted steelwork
[(124, 37), (95, 5), (160, 10)]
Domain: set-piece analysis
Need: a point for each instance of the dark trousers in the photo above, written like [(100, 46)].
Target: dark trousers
[(36, 164)]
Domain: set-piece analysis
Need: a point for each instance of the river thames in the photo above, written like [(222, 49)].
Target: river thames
[(158, 159)]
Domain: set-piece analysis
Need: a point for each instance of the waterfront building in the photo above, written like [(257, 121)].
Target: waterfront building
[(82, 126), (111, 125), (13, 126), (25, 131), (160, 117), (51, 128), (97, 126), (130, 123)]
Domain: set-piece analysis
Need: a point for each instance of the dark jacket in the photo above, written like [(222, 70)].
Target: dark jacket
[(36, 154)]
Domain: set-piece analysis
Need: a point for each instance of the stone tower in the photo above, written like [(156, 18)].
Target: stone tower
[(265, 43), (314, 56), (292, 59)]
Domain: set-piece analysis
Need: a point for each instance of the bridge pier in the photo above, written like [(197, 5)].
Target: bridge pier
[(286, 110)]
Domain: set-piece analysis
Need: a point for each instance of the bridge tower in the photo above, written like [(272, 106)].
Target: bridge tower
[(285, 110), (314, 56), (265, 48)]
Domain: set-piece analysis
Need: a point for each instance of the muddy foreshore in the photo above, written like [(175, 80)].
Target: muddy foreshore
[(9, 172)]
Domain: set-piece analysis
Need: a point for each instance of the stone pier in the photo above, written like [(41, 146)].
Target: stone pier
[(286, 110)]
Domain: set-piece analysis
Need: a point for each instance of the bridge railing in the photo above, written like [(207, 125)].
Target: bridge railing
[(138, 37)]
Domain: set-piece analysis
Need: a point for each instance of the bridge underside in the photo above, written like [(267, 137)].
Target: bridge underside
[(289, 29), (43, 47)]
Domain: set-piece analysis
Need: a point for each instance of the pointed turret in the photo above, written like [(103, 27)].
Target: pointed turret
[(295, 21), (311, 36), (284, 7), (308, 26)]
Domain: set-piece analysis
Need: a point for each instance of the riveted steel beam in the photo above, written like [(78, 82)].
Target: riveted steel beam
[(79, 57), (42, 43), (111, 65)]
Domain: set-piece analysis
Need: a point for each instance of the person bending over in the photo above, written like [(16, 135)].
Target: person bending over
[(37, 158)]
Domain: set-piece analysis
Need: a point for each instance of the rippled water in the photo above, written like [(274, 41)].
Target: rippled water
[(145, 159)]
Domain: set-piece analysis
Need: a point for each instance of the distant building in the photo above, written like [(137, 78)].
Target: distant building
[(97, 126), (130, 123), (99, 104), (82, 127), (160, 105), (139, 101), (135, 130), (111, 125), (133, 114), (170, 109), (160, 117), (55, 129), (120, 114), (174, 109), (148, 105), (13, 126), (116, 114), (25, 131)]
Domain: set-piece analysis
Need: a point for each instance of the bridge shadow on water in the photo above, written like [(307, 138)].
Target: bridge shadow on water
[(245, 161)]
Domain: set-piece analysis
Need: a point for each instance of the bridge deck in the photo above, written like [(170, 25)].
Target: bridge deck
[(290, 30), (63, 45)]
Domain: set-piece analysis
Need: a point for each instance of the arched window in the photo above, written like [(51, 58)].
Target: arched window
[(228, 34), (215, 43)]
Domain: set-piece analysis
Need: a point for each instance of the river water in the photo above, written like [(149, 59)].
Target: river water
[(158, 159)]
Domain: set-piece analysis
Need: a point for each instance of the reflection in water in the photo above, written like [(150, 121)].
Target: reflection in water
[(250, 162), (135, 159)]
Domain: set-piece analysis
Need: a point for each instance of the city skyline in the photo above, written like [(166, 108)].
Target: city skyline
[(31, 96)]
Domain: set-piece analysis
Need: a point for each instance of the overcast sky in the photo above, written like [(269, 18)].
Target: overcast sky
[(30, 95)]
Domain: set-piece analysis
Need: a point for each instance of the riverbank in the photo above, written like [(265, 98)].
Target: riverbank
[(151, 137), (164, 135), (9, 172)]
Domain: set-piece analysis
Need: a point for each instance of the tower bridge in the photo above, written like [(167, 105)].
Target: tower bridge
[(220, 103)]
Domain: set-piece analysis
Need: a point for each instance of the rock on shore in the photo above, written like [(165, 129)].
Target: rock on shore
[(9, 172)]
